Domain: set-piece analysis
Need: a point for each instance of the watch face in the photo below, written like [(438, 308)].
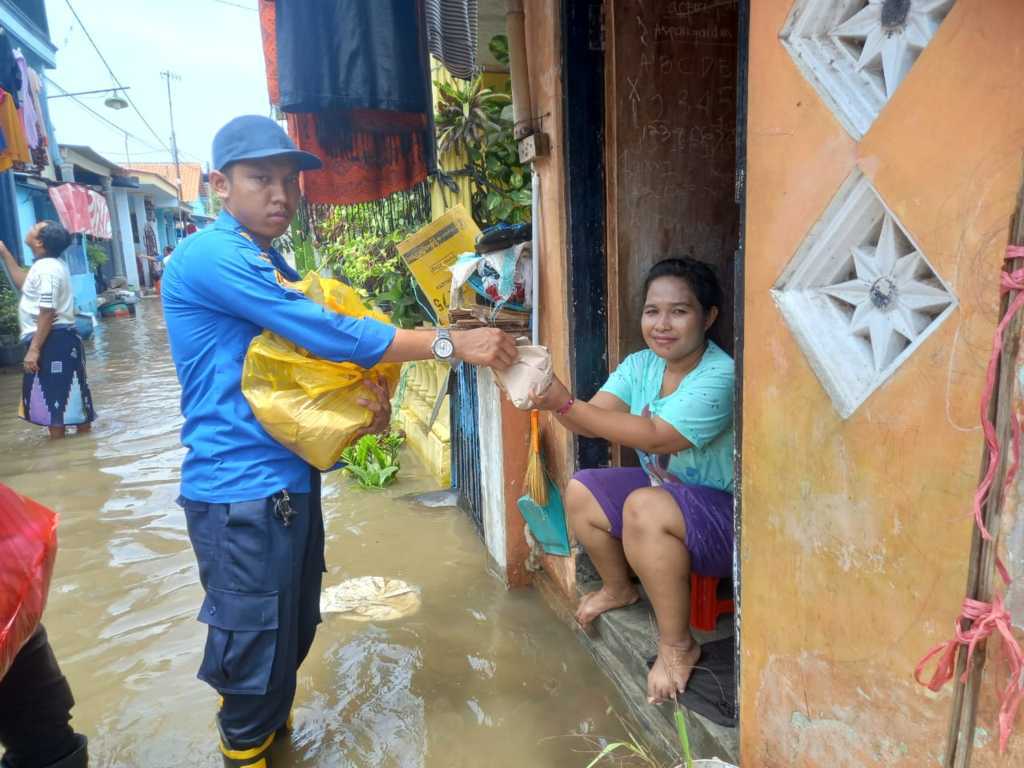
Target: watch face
[(444, 348)]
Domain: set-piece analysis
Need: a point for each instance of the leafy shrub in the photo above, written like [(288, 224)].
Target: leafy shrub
[(373, 460), (9, 327)]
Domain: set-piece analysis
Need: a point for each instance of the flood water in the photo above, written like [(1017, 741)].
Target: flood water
[(478, 677)]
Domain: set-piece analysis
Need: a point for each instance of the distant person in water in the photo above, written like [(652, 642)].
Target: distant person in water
[(55, 390), (672, 403)]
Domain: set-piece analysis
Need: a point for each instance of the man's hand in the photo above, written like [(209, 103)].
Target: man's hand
[(32, 360), (485, 346), (379, 405)]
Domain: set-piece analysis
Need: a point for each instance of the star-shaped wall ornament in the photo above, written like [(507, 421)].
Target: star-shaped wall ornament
[(895, 294), (891, 35), (859, 295), (856, 53)]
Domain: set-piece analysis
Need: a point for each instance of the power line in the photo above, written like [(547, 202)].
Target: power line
[(96, 114), (112, 75), (237, 5)]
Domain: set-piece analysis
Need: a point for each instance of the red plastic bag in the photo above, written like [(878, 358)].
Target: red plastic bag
[(28, 547)]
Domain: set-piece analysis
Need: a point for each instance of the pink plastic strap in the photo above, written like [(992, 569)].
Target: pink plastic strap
[(988, 618)]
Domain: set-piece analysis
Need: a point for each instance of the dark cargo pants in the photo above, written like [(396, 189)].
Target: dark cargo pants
[(262, 579)]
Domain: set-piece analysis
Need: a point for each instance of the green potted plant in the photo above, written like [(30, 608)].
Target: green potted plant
[(12, 351)]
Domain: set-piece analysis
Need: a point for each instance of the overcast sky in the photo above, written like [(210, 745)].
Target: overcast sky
[(214, 45)]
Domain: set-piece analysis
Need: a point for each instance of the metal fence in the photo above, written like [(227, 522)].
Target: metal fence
[(465, 437)]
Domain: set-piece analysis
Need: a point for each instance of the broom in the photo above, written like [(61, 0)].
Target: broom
[(536, 483)]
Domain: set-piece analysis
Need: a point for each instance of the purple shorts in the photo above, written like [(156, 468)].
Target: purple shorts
[(707, 513)]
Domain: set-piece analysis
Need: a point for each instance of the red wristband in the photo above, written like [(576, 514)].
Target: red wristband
[(567, 407)]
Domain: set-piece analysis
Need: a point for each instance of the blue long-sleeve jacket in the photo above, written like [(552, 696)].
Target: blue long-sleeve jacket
[(219, 292)]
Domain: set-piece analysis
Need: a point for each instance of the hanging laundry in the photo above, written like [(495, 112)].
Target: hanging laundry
[(16, 149), (376, 154), (354, 85), (29, 115), (268, 26), (99, 216), (452, 35), (149, 237), (350, 54), (81, 210), (10, 74)]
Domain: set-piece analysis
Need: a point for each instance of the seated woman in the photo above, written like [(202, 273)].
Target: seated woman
[(672, 403)]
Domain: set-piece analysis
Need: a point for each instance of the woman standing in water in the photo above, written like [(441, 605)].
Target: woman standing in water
[(55, 392), (673, 404)]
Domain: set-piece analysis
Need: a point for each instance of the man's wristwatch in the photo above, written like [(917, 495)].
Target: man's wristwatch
[(443, 346)]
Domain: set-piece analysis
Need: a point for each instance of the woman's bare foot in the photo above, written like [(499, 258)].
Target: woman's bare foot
[(594, 604), (671, 671)]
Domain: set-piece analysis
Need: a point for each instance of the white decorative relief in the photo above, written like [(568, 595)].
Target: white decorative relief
[(857, 52), (859, 295)]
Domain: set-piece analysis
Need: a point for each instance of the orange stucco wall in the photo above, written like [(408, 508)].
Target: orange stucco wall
[(855, 536)]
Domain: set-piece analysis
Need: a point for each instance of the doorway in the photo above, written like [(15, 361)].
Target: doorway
[(666, 81)]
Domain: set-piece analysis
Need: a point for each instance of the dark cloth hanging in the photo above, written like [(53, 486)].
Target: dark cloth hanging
[(10, 72), (355, 89), (452, 34), (351, 54)]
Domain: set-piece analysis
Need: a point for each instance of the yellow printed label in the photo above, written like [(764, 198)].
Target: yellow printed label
[(432, 250)]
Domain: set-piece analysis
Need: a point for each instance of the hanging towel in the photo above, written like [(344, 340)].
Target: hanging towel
[(29, 116), (81, 210), (17, 150), (452, 35), (377, 154)]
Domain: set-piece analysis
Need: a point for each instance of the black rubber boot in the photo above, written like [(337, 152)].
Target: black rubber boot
[(253, 757)]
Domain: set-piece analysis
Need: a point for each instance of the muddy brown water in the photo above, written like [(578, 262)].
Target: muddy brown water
[(478, 677)]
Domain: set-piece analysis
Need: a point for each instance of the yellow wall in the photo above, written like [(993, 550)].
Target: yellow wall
[(855, 533)]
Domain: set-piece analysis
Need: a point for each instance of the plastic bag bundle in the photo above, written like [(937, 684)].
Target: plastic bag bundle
[(531, 372), (307, 404), (28, 547)]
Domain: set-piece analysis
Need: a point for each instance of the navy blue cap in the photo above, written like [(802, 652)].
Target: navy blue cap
[(252, 137)]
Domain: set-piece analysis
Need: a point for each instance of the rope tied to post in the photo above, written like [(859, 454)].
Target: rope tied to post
[(983, 619)]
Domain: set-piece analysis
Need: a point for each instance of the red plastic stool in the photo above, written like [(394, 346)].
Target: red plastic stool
[(705, 607)]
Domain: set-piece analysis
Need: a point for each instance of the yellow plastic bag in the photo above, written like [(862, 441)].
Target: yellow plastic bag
[(307, 404)]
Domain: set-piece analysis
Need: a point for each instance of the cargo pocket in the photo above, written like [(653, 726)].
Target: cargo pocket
[(241, 640)]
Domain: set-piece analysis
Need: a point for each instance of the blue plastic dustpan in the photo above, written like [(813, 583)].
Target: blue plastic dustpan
[(547, 524)]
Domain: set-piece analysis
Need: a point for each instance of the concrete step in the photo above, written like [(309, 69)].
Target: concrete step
[(621, 642)]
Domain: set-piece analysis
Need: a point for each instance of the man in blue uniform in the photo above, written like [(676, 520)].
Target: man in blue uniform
[(253, 506)]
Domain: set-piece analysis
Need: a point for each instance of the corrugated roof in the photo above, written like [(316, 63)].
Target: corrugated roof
[(191, 175)]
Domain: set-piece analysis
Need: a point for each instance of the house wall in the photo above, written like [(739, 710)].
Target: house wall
[(855, 535), (544, 50), (124, 233)]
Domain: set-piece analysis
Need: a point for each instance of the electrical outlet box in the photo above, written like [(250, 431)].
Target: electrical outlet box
[(533, 146)]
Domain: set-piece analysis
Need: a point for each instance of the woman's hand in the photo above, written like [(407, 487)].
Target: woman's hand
[(379, 405), (554, 397), (485, 346), (32, 360)]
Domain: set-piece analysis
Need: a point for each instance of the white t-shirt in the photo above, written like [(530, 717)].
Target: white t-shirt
[(47, 286)]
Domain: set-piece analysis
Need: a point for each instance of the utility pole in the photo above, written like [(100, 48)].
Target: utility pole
[(168, 76)]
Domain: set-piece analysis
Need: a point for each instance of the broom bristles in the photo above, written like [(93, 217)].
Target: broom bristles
[(536, 484)]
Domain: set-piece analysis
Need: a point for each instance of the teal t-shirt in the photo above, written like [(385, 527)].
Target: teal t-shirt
[(700, 410)]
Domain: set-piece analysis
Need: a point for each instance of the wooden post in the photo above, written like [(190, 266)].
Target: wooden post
[(982, 565)]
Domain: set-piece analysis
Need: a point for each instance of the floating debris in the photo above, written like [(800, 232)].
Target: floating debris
[(371, 598)]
